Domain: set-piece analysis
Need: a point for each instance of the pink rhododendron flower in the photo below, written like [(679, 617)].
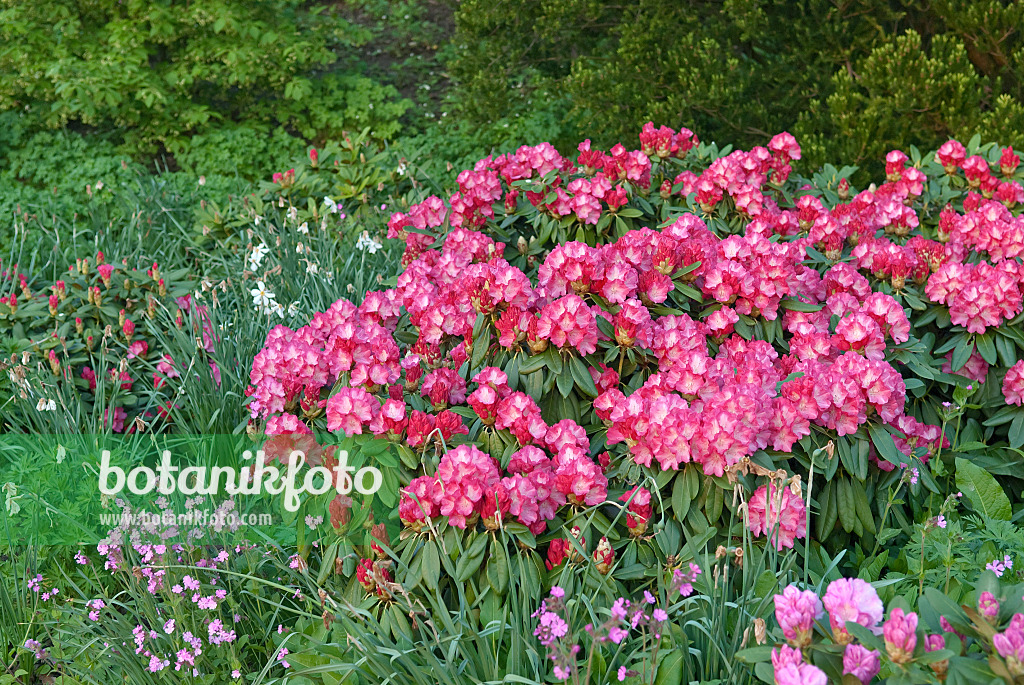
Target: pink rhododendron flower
[(861, 662), (900, 633), (1013, 384), (852, 599), (796, 611), (780, 513)]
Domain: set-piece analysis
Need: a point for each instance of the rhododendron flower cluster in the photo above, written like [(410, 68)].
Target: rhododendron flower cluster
[(700, 340), (796, 612), (852, 599), (1013, 384), (774, 510)]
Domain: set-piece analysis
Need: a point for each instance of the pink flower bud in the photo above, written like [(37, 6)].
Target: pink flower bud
[(900, 633)]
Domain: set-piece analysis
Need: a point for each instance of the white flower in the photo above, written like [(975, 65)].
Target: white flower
[(61, 453), (332, 206), (300, 248), (202, 180), (258, 253), (11, 490), (278, 309), (304, 228), (293, 309), (261, 297), (99, 185), (313, 521), (46, 405), (367, 243), (256, 221), (401, 169), (312, 268), (293, 213)]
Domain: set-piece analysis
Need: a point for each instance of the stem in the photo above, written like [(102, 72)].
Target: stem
[(807, 527), (885, 514), (590, 662), (920, 588)]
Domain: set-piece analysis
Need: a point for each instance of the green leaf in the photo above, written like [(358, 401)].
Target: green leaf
[(987, 348), (680, 497), (884, 444), (582, 376), (865, 636), (532, 364), (1016, 435), (670, 668), (981, 488), (497, 568), (480, 346), (753, 655), (565, 382), (470, 560), (431, 565), (554, 359), (798, 306), (961, 353)]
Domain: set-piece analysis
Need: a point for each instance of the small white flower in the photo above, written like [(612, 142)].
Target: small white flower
[(261, 297), (312, 268), (258, 253), (256, 221), (202, 180), (293, 309), (300, 248), (45, 405), (367, 243), (279, 309), (332, 206), (313, 521), (401, 169), (99, 185), (293, 213), (61, 453), (11, 490), (304, 228)]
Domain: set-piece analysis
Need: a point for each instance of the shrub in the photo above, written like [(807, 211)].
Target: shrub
[(853, 80), (160, 73), (87, 341), (782, 360)]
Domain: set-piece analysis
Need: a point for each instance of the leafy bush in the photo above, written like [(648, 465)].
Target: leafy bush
[(159, 73), (85, 339), (853, 80)]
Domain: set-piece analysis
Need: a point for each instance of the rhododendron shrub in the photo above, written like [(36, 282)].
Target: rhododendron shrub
[(86, 346), (572, 340)]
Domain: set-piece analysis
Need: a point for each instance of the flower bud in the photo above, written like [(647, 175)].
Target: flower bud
[(900, 633), (988, 607), (604, 556)]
